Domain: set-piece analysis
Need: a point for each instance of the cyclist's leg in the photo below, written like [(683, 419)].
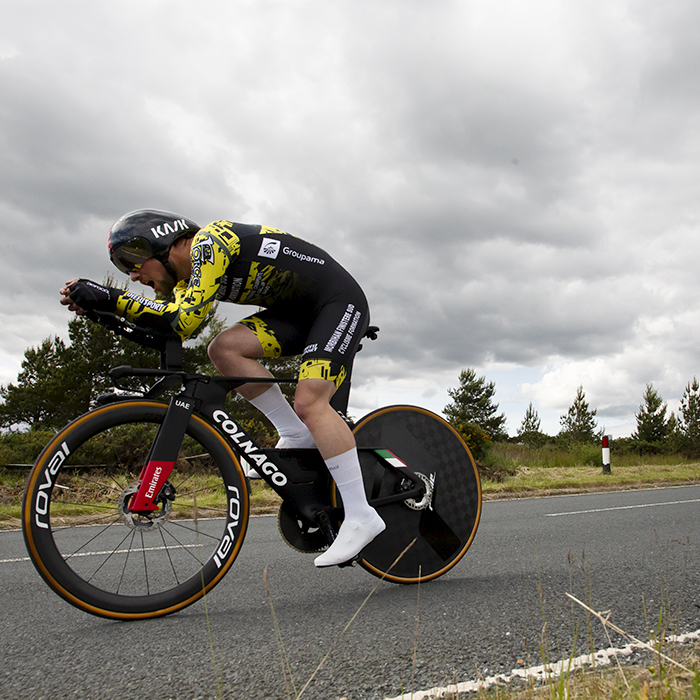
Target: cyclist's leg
[(337, 446), (235, 352), (329, 348)]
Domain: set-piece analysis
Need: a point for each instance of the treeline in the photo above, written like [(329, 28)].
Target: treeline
[(474, 414), (59, 381)]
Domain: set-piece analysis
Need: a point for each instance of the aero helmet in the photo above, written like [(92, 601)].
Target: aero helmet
[(146, 233)]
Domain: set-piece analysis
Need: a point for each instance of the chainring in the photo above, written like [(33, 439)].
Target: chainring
[(297, 534)]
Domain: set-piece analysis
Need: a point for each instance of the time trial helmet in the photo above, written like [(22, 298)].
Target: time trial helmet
[(146, 233)]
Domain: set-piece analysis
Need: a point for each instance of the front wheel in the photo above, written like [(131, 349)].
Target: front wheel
[(98, 555), (444, 522)]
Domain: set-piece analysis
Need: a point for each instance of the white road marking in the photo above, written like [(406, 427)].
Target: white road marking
[(106, 552), (601, 510), (542, 673)]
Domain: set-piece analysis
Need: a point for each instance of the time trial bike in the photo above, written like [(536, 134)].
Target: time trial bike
[(140, 506)]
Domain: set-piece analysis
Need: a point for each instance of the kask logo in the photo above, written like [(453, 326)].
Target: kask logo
[(269, 248), (167, 227)]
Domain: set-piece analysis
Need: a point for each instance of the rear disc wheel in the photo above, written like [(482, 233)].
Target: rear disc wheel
[(444, 522)]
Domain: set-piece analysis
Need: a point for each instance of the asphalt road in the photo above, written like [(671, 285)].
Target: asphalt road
[(634, 552)]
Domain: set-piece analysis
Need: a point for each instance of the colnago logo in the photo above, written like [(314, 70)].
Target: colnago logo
[(251, 451), (234, 516), (269, 248), (168, 227), (41, 503)]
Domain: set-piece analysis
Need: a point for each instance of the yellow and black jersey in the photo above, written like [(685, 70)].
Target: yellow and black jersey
[(238, 263), (312, 305)]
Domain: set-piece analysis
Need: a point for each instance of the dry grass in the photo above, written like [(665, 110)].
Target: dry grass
[(662, 682), (532, 480), (527, 480)]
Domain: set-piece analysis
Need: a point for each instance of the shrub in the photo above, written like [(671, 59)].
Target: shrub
[(23, 448), (478, 441)]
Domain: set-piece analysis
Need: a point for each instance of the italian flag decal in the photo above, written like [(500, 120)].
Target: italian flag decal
[(390, 457)]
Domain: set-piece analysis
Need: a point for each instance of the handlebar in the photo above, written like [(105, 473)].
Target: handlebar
[(168, 344)]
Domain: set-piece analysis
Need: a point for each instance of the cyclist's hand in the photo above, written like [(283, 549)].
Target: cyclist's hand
[(86, 295)]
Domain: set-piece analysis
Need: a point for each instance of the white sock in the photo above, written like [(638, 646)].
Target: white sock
[(346, 472), (289, 426)]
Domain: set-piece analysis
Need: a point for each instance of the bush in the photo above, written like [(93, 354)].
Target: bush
[(640, 447), (478, 441), (23, 448)]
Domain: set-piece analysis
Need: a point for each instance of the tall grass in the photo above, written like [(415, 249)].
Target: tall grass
[(509, 455)]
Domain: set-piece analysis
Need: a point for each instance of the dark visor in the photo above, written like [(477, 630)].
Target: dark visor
[(128, 256)]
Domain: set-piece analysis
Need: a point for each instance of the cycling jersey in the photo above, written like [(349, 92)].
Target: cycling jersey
[(312, 305)]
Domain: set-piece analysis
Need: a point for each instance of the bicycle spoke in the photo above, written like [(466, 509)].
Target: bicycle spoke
[(197, 531), (145, 564), (85, 544), (167, 551), (94, 573)]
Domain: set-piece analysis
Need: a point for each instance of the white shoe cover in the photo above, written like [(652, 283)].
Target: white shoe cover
[(287, 443), (352, 538)]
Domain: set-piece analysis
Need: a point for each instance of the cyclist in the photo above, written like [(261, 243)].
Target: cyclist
[(310, 306)]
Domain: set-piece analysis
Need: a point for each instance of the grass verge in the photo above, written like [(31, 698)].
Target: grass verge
[(521, 480), (540, 481)]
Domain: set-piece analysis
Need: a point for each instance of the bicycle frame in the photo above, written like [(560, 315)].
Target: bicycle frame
[(299, 476)]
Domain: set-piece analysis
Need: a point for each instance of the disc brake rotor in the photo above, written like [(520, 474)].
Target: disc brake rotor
[(147, 520)]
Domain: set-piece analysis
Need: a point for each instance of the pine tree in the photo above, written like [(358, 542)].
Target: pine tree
[(472, 403), (529, 431), (39, 397), (579, 425), (652, 424), (688, 423)]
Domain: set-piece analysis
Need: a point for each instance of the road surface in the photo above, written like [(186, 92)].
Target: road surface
[(632, 552)]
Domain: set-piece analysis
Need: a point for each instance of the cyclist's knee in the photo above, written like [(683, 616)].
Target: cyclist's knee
[(218, 349), (236, 341), (312, 397)]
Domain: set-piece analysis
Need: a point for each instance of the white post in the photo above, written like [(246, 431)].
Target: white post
[(606, 454)]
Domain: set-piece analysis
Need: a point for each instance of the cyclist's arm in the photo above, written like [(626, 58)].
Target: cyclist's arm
[(210, 258)]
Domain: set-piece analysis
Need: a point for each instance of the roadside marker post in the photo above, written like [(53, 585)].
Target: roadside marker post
[(606, 454)]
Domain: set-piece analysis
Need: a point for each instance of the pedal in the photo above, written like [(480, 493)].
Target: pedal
[(351, 562)]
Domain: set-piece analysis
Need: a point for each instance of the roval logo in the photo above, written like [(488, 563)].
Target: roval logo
[(251, 451), (234, 514), (41, 503)]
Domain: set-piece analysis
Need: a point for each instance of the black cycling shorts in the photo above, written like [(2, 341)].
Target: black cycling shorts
[(325, 333)]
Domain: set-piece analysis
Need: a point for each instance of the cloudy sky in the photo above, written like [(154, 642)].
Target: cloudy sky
[(514, 183)]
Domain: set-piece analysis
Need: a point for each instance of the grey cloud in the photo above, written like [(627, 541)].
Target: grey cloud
[(508, 189)]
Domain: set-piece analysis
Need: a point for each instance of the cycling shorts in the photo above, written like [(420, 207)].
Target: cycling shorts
[(325, 333)]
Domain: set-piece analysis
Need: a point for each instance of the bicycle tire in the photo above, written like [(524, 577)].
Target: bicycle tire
[(101, 559), (446, 524)]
